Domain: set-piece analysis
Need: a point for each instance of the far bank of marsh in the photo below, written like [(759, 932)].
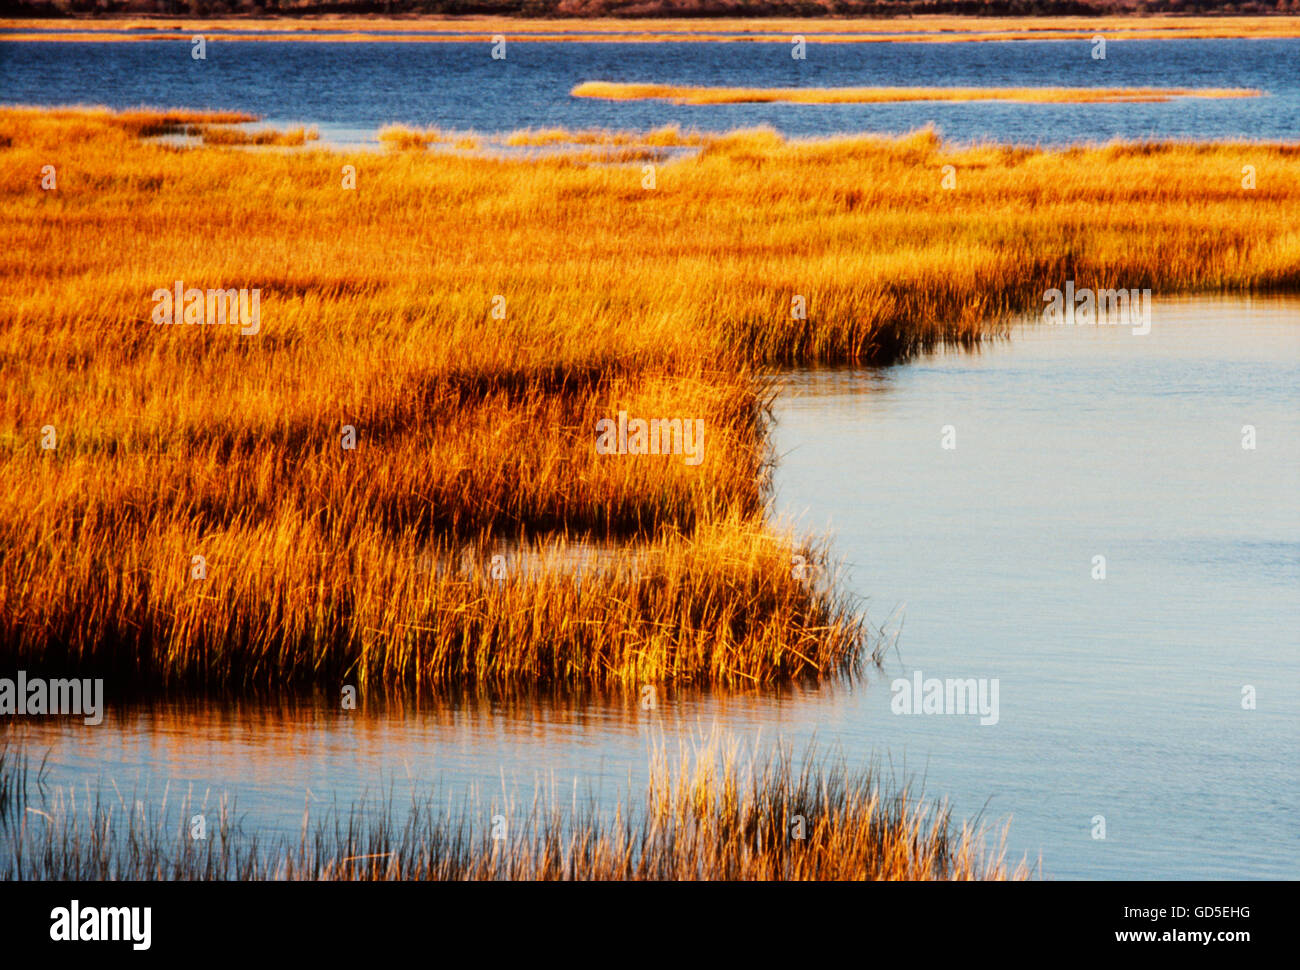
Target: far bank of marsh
[(609, 25), (688, 94)]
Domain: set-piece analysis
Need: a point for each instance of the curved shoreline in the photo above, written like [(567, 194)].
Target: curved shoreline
[(251, 506)]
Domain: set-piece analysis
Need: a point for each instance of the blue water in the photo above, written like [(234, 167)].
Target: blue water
[(1122, 696), (1118, 697), (351, 89)]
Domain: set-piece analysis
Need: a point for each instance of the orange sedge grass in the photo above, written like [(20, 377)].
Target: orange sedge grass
[(215, 135), (710, 816), (686, 94), (475, 431)]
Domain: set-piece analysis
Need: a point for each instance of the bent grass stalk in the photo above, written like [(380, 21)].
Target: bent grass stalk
[(13, 775)]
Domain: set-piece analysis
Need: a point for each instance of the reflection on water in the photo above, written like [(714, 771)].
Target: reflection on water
[(1118, 697), (276, 755)]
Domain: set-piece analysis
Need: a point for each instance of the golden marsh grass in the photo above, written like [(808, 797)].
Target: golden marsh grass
[(475, 433), (219, 135), (709, 816), (686, 94)]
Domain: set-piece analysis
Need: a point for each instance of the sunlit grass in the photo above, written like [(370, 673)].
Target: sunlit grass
[(215, 135), (686, 94), (708, 815), (286, 602), (475, 432), (667, 136), (404, 138)]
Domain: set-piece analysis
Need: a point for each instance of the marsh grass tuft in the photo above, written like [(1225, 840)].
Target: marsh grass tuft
[(708, 816), (216, 135)]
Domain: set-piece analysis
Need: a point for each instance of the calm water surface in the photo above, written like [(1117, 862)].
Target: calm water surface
[(1119, 697), (349, 90)]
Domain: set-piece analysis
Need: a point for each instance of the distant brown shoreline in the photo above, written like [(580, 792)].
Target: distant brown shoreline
[(424, 28), (643, 11)]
